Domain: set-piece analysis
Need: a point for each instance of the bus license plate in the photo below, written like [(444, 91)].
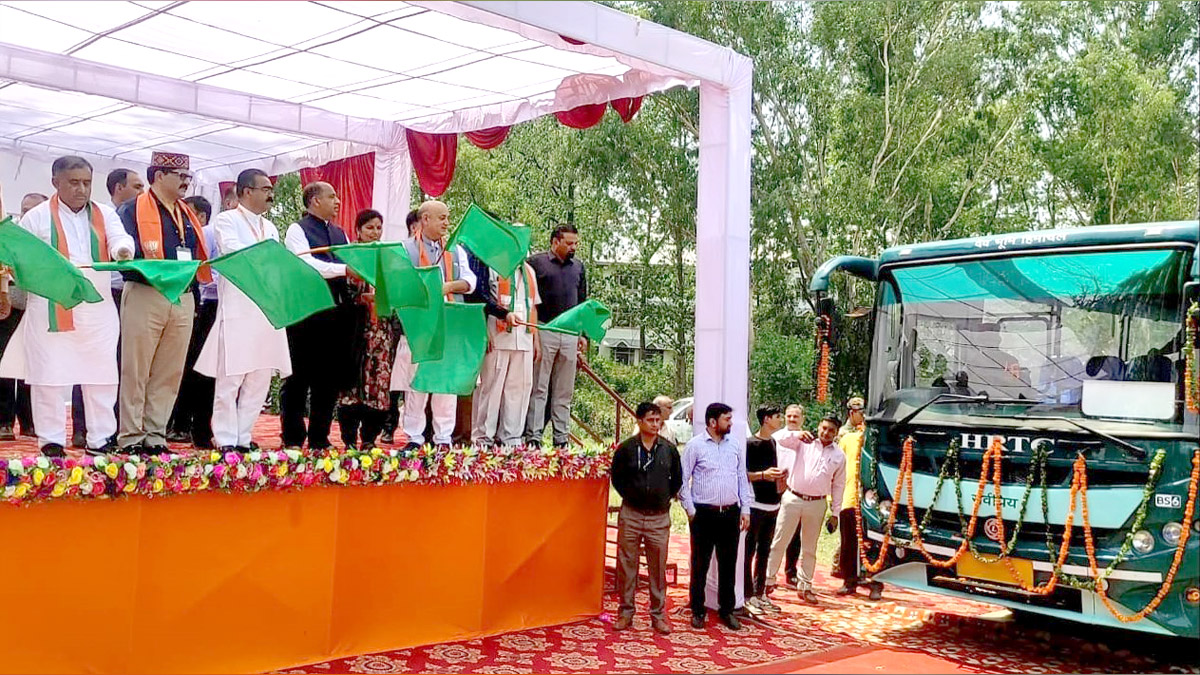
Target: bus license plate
[(996, 572)]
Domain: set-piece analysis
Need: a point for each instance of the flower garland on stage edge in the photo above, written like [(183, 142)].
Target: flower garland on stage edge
[(35, 479), (1078, 495)]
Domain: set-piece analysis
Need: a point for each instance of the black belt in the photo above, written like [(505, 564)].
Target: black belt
[(717, 509), (807, 498)]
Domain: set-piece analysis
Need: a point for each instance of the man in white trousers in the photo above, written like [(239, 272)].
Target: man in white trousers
[(56, 348), (506, 378), (427, 247), (243, 350)]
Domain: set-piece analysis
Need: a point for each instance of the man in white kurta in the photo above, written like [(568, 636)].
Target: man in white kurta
[(87, 354), (506, 378), (243, 350)]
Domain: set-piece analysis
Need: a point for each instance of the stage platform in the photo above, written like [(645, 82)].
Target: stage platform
[(222, 581)]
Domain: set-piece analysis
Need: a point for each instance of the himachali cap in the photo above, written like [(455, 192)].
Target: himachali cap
[(169, 160)]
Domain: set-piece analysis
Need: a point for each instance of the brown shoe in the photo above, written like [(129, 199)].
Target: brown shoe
[(808, 596), (622, 622), (661, 625)]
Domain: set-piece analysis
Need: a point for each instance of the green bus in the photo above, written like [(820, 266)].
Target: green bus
[(1013, 377)]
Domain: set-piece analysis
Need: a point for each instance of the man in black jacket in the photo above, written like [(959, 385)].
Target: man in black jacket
[(647, 473)]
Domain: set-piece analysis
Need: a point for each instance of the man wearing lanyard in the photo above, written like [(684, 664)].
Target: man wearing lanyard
[(818, 473), (716, 496), (154, 332), (243, 350), (647, 473), (428, 247)]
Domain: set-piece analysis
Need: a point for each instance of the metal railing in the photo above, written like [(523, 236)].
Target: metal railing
[(619, 403)]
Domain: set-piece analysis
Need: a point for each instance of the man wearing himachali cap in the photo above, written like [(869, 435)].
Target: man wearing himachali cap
[(154, 332), (55, 348)]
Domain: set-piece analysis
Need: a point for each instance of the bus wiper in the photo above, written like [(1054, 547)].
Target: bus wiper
[(981, 397), (1132, 449)]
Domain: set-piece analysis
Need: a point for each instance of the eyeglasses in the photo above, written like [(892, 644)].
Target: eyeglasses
[(183, 176), (267, 189)]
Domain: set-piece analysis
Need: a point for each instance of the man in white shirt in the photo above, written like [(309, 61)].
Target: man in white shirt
[(506, 378), (243, 350), (665, 406), (428, 247), (319, 345), (794, 428), (817, 474), (59, 348)]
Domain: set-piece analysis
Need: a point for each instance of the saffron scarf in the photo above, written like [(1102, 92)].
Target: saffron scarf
[(150, 232), (62, 320)]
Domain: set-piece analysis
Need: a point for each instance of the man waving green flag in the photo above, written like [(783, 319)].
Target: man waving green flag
[(388, 268), (41, 270), (283, 286), (500, 245)]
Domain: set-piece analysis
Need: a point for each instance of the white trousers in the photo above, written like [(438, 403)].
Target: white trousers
[(237, 402), (49, 403), (445, 406), (809, 516), (502, 397)]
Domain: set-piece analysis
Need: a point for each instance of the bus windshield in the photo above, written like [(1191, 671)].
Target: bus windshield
[(1082, 334)]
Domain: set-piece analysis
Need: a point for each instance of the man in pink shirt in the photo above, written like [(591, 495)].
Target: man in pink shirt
[(817, 473)]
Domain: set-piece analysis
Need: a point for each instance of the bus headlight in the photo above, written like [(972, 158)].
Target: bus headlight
[(1143, 541), (871, 499), (885, 507), (1171, 533)]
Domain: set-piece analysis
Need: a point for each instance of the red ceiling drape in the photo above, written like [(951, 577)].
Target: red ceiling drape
[(433, 157), (353, 178), (486, 139), (627, 107), (583, 117)]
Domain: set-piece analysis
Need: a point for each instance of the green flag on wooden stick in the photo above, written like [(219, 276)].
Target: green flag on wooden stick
[(590, 318), (169, 277), (465, 343), (387, 267), (286, 289), (39, 269), (500, 245), (425, 327)]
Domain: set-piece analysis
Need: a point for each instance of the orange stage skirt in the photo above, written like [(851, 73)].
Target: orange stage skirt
[(222, 583)]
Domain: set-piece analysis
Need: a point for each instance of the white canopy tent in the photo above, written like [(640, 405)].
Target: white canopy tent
[(288, 85)]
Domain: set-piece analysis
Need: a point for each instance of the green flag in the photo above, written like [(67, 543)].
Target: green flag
[(40, 269), (501, 246), (425, 327), (169, 277), (590, 318), (465, 344), (287, 289), (387, 267)]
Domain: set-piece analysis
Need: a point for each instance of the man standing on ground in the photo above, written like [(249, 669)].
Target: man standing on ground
[(647, 473), (319, 345), (155, 332), (794, 428), (665, 405), (243, 350), (764, 474), (716, 495), (64, 347), (847, 562), (562, 285), (428, 247), (817, 473)]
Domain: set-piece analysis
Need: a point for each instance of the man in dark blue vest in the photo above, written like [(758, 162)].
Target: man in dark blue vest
[(320, 344)]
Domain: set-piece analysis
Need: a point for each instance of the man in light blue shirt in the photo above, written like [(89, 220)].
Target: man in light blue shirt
[(716, 495)]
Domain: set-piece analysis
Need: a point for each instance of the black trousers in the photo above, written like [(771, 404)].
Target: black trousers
[(14, 394), (848, 550), (360, 425), (717, 530), (758, 549), (392, 416), (792, 556), (194, 405), (321, 367)]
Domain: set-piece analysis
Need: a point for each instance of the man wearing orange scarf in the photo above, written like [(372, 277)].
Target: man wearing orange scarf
[(56, 348), (154, 332)]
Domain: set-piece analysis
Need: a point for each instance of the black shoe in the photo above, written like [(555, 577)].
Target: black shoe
[(154, 450), (6, 434), (53, 450), (846, 589), (201, 444), (79, 441), (226, 448), (411, 447), (698, 621), (731, 622), (876, 592), (178, 437), (532, 444), (109, 448), (388, 437), (253, 446)]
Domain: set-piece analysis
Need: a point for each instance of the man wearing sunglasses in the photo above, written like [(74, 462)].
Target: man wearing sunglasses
[(155, 332)]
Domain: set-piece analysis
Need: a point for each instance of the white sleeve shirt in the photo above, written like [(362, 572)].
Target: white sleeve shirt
[(297, 243)]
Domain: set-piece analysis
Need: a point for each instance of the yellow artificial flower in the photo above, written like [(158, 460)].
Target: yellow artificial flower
[(130, 486), (111, 470), (158, 485), (59, 489), (21, 490), (376, 452), (281, 470), (327, 464), (366, 461), (76, 476), (38, 476)]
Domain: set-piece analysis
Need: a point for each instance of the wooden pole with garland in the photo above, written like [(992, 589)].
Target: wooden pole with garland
[(991, 469), (1191, 378)]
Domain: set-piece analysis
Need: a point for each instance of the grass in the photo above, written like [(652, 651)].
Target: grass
[(826, 545)]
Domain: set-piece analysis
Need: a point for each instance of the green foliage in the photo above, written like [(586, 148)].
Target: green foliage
[(288, 206), (635, 384)]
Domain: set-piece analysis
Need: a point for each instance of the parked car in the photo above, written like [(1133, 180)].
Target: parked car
[(680, 420)]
